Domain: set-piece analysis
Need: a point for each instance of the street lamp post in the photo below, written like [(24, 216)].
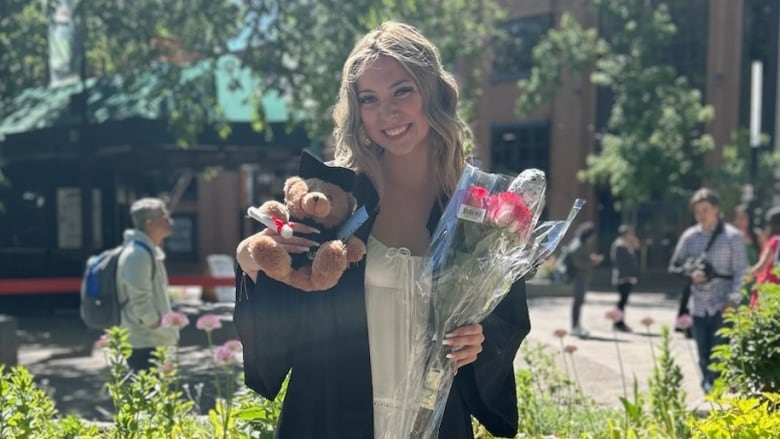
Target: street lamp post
[(756, 73), (749, 189)]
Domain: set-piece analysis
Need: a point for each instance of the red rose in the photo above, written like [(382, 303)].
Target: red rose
[(476, 197), (507, 209)]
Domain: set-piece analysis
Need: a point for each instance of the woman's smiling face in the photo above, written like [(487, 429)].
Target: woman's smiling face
[(391, 107)]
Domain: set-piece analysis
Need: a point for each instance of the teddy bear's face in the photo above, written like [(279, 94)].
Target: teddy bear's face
[(324, 202)]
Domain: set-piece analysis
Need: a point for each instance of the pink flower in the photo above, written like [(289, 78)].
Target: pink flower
[(615, 315), (224, 356), (476, 197), (560, 333), (648, 321), (507, 209), (102, 342), (233, 345), (174, 319), (208, 322), (570, 349), (684, 322), (166, 368)]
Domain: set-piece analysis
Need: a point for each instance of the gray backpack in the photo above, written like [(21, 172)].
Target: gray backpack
[(100, 306)]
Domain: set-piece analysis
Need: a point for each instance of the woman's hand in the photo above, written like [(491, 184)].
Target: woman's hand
[(466, 343), (294, 244)]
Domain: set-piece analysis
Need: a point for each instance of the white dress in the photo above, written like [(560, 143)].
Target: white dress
[(391, 306)]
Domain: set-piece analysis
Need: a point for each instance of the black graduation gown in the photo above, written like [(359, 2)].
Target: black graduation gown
[(323, 338)]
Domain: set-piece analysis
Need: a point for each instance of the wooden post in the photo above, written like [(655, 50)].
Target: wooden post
[(9, 343)]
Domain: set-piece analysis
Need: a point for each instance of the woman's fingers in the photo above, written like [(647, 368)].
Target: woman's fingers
[(294, 248), (292, 243), (466, 343), (302, 228)]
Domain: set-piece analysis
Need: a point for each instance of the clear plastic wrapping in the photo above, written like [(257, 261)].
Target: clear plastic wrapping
[(488, 237)]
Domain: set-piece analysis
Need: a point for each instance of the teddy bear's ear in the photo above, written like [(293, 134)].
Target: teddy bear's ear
[(290, 182)]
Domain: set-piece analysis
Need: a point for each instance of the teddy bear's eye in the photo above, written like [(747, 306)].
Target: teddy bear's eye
[(329, 197)]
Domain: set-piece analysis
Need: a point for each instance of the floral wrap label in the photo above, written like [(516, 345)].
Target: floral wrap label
[(471, 213), (431, 389)]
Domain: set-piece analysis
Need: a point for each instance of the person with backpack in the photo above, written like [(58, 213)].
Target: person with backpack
[(764, 270), (142, 282), (712, 255)]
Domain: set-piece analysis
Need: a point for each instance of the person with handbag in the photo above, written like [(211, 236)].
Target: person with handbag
[(711, 254)]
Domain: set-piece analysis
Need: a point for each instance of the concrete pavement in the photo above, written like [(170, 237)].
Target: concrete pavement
[(596, 359), (58, 349)]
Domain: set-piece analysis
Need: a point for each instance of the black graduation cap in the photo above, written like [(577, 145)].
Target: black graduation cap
[(312, 167)]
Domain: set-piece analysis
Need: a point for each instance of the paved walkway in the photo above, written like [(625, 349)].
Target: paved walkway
[(58, 349), (596, 359)]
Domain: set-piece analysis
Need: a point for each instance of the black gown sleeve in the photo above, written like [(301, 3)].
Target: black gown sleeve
[(487, 386), (264, 321)]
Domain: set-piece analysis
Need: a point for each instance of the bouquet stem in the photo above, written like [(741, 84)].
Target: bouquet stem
[(437, 381)]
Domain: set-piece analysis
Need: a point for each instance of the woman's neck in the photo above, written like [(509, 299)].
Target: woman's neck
[(410, 172)]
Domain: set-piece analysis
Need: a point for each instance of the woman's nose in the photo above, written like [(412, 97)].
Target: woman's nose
[(388, 109)]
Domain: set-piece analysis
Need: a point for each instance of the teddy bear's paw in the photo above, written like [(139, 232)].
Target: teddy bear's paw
[(356, 249), (330, 259), (270, 257), (275, 209), (301, 278)]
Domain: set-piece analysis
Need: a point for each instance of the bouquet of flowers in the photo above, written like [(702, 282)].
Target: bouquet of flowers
[(487, 238)]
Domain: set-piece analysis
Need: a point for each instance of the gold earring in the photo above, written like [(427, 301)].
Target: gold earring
[(363, 137)]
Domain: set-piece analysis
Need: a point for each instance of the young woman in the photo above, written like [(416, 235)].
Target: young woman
[(750, 234), (764, 270), (396, 124)]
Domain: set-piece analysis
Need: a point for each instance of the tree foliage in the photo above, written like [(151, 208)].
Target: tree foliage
[(653, 144), (305, 47), (296, 47), (735, 169)]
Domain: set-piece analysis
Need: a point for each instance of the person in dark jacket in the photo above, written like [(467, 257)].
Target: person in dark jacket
[(624, 253), (584, 257), (344, 349)]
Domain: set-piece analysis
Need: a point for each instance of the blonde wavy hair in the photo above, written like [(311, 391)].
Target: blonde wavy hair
[(421, 59)]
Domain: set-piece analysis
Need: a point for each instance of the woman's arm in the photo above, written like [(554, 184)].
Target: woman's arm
[(763, 262)]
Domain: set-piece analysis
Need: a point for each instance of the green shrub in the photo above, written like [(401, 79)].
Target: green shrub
[(740, 418), (28, 412), (750, 363)]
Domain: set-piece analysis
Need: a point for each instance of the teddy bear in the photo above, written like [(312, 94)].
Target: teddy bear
[(319, 196)]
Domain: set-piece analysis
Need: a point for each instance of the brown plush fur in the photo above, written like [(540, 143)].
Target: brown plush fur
[(329, 206)]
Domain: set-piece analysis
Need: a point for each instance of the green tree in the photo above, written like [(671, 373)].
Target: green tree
[(735, 169), (296, 47), (306, 45), (655, 126)]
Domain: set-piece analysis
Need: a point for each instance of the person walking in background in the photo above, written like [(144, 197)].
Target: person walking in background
[(624, 253), (584, 257), (751, 235), (712, 255), (142, 282), (763, 270)]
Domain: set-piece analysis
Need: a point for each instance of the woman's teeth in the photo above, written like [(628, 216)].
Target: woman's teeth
[(396, 131)]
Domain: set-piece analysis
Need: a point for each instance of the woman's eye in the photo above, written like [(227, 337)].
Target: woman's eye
[(366, 100), (403, 91)]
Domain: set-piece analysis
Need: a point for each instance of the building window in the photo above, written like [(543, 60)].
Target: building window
[(512, 50), (520, 146), (687, 51)]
